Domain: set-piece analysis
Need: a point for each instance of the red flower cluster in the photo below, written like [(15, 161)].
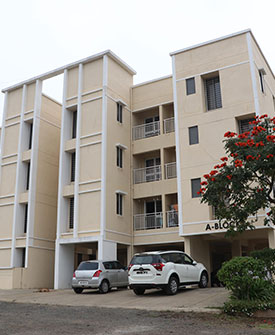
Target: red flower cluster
[(229, 176), (206, 176), (204, 183), (270, 138), (263, 116), (269, 156), (250, 143), (213, 172), (229, 134), (238, 163), (234, 155), (224, 159), (249, 157), (223, 164), (260, 144)]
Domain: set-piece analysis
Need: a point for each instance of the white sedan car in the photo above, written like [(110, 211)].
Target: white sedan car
[(167, 270)]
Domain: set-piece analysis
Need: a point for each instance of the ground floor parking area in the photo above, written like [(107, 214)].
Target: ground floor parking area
[(188, 299)]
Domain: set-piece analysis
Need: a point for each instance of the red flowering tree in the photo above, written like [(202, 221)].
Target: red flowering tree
[(243, 183)]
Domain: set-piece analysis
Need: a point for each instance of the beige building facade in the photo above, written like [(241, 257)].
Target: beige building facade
[(115, 168)]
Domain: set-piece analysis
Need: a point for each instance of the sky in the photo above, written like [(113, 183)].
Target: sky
[(40, 35)]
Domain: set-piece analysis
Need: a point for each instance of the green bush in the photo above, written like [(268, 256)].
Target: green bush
[(246, 307), (267, 255), (246, 278)]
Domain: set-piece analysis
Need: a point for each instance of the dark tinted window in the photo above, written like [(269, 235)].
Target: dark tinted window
[(146, 259), (118, 266), (193, 135), (176, 258), (195, 185), (88, 266), (110, 265), (190, 86)]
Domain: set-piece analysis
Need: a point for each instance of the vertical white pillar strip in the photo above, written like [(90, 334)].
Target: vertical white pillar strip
[(103, 157), (34, 163), (5, 111), (77, 151), (16, 214), (178, 152), (253, 75), (61, 207), (61, 181)]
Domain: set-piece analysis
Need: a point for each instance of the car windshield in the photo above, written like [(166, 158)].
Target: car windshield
[(146, 259), (88, 266)]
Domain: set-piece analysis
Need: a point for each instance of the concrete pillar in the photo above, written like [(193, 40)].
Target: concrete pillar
[(163, 201), (64, 265), (271, 238), (236, 248), (161, 119), (107, 250)]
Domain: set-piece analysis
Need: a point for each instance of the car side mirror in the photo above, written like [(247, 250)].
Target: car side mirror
[(194, 263)]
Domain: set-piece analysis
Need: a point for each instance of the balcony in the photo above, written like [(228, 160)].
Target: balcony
[(146, 130), (148, 221), (170, 170), (148, 174), (169, 125), (172, 219)]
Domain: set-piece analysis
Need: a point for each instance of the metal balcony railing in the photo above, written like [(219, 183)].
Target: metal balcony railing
[(146, 130), (145, 175), (169, 125), (172, 219), (148, 221), (171, 170)]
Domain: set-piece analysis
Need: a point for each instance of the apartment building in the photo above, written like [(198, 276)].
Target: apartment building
[(130, 162), (28, 190)]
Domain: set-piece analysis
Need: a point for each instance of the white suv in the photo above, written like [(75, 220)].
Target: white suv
[(166, 270)]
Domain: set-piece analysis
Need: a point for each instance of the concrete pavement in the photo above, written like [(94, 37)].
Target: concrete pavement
[(189, 299)]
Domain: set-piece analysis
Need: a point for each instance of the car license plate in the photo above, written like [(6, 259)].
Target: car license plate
[(142, 272), (82, 282)]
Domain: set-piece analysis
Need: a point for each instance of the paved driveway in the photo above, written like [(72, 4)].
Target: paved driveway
[(192, 299)]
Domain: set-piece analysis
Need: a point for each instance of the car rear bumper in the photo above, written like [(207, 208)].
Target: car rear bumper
[(147, 286)]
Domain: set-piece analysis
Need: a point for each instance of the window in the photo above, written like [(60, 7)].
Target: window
[(261, 75), (74, 124), (193, 135), (73, 167), (213, 93), (30, 135), (26, 218), (119, 156), (28, 175), (245, 126), (190, 86), (119, 112), (152, 127), (119, 198), (195, 186), (71, 214), (23, 254)]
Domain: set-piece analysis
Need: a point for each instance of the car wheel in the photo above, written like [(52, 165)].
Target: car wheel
[(104, 287), (172, 286), (203, 280), (139, 291), (78, 290)]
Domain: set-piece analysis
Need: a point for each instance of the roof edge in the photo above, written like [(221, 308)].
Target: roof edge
[(152, 80), (210, 41), (61, 69)]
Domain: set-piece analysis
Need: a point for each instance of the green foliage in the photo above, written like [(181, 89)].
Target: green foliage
[(246, 307), (243, 183), (267, 255), (246, 278)]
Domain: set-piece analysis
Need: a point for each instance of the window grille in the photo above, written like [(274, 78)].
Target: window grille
[(73, 166), (244, 125), (71, 218), (213, 93)]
